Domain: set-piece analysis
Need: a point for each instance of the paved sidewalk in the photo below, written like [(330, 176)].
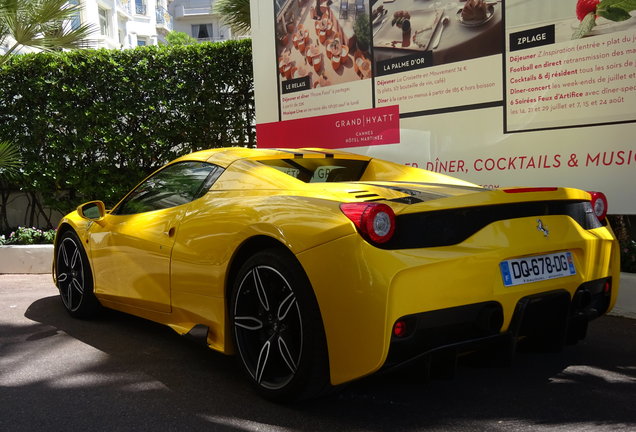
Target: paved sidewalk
[(121, 373)]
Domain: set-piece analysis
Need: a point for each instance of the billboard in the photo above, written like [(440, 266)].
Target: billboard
[(499, 93)]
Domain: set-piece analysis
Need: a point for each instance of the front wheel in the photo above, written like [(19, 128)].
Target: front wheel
[(277, 328), (74, 277)]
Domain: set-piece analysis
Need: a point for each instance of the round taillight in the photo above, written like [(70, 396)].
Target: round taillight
[(599, 204), (375, 221), (380, 221)]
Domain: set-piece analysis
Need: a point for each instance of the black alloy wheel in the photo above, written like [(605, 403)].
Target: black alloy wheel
[(74, 278), (277, 328)]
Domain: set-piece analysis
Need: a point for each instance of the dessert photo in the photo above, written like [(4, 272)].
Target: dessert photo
[(594, 17), (451, 30), (572, 19)]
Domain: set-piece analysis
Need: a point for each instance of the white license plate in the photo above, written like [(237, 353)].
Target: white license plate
[(537, 268)]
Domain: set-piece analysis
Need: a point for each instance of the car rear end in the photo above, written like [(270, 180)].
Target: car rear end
[(457, 272), (535, 269)]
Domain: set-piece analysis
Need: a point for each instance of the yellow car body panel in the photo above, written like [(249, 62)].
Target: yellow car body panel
[(392, 284), (140, 245), (173, 265)]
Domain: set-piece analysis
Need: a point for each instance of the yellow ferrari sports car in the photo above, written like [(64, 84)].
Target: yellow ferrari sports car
[(317, 267)]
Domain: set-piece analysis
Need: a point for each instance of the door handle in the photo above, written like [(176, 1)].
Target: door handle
[(170, 232)]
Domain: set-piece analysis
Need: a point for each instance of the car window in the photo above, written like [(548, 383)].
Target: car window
[(320, 170), (174, 185)]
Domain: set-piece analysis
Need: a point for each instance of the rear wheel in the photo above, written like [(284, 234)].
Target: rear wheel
[(277, 328), (74, 277)]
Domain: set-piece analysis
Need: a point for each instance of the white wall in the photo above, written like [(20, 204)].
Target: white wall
[(18, 206)]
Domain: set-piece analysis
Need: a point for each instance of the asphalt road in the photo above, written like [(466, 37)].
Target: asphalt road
[(121, 373)]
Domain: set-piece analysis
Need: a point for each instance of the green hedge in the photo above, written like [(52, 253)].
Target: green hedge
[(90, 124)]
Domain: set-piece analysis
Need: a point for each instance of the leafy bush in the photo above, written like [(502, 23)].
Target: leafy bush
[(28, 236), (90, 124), (623, 229), (180, 38)]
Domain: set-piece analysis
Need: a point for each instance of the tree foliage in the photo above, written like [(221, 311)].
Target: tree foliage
[(9, 159), (42, 24), (90, 124), (235, 14), (180, 38)]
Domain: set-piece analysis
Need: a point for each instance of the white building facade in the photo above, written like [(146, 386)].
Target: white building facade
[(130, 23), (127, 23), (197, 18)]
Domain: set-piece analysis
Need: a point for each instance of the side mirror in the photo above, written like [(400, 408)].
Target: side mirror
[(93, 210)]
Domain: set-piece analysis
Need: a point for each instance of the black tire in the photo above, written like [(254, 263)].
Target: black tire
[(277, 328), (74, 277)]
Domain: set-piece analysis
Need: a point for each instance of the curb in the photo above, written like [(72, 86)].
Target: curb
[(30, 259), (626, 302)]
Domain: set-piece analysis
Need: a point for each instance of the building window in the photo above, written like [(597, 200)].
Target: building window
[(202, 31), (104, 27), (141, 42), (76, 21), (140, 7)]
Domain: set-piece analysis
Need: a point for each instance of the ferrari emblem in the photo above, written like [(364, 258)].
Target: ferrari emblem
[(542, 228)]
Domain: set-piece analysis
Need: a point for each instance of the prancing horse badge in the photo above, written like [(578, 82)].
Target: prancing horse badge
[(542, 228)]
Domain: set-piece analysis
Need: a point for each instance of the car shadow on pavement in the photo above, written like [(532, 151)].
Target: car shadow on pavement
[(149, 376)]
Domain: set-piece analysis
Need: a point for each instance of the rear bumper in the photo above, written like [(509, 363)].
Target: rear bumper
[(548, 320)]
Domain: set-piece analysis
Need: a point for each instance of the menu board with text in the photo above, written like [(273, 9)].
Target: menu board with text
[(500, 93)]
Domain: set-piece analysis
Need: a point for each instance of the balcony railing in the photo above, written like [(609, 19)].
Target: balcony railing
[(193, 8), (163, 17)]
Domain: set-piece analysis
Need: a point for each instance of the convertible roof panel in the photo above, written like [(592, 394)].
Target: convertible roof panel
[(225, 156)]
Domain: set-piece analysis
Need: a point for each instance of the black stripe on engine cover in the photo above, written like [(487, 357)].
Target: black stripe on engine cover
[(449, 227)]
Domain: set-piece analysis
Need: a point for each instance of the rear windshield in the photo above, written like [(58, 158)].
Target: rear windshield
[(320, 170)]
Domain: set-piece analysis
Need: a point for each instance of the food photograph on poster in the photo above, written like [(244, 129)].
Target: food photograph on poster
[(593, 21), (321, 43), (583, 19), (447, 30)]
